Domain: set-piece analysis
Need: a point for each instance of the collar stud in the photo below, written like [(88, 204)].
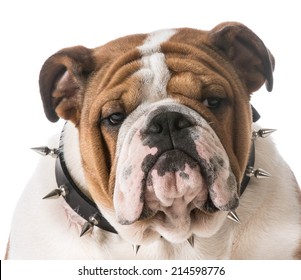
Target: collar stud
[(263, 133), (56, 193), (45, 151), (191, 241), (136, 249), (88, 226), (232, 215), (257, 173)]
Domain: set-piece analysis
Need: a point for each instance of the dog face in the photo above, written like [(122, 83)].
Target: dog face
[(164, 123)]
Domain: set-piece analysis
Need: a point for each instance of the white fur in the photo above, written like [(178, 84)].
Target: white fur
[(154, 72), (153, 41)]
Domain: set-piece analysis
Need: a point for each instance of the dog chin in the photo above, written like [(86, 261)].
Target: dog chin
[(179, 229), (161, 227)]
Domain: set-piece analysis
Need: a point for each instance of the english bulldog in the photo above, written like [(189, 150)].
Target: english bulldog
[(159, 157)]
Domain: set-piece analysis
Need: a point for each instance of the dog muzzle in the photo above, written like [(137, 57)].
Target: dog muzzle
[(170, 163)]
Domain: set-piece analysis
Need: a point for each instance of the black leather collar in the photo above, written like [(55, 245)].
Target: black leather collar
[(76, 199), (246, 179), (86, 208)]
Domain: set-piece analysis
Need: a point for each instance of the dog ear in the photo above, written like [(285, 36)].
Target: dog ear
[(247, 52), (62, 83)]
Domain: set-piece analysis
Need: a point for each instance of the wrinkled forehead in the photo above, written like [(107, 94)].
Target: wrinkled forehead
[(154, 72), (158, 65), (139, 58)]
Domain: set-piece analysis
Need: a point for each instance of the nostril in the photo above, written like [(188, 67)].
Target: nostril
[(158, 125), (155, 128), (181, 123)]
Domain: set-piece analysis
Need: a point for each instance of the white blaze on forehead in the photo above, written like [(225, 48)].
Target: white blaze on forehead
[(153, 41), (154, 73)]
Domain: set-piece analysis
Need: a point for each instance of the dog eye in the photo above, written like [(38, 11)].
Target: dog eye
[(212, 102), (116, 119)]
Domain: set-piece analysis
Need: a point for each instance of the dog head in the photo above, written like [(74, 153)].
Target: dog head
[(164, 124)]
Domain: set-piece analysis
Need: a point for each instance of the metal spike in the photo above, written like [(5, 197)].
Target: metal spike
[(191, 241), (263, 133), (257, 173), (53, 194), (94, 219), (56, 193), (233, 217), (87, 227), (136, 248), (45, 151)]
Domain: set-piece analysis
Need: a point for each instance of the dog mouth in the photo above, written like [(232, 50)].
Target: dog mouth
[(176, 184)]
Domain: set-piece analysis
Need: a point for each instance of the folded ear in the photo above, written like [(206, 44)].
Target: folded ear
[(254, 62), (62, 83)]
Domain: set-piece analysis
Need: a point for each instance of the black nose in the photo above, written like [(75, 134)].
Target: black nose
[(168, 123)]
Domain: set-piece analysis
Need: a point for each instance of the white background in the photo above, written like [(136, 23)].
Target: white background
[(31, 31)]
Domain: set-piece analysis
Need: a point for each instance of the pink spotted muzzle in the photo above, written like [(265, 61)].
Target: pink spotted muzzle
[(171, 163)]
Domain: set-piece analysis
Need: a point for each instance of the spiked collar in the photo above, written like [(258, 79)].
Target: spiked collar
[(88, 210), (77, 200), (72, 194)]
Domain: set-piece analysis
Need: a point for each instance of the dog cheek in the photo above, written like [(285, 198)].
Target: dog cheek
[(223, 191), (128, 204), (128, 193), (221, 181)]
